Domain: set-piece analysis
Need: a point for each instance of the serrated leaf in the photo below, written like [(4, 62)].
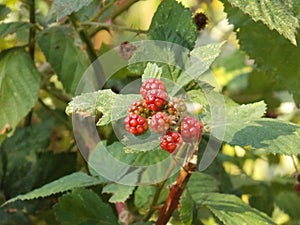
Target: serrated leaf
[(274, 136), (66, 7), (69, 182), (18, 90), (236, 117), (177, 64), (84, 104), (164, 27), (68, 61), (202, 183), (130, 169), (186, 208), (275, 14), (151, 71), (87, 208), (113, 106), (9, 28), (289, 203), (3, 11), (120, 192), (257, 41), (143, 196), (231, 210)]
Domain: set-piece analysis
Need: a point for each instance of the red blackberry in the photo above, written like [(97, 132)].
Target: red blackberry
[(190, 129), (156, 99), (136, 124), (170, 141), (139, 108), (160, 122), (151, 84)]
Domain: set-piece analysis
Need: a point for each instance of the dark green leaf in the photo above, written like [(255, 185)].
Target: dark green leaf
[(257, 41), (19, 85), (24, 146), (66, 7), (9, 28), (186, 208), (231, 210), (3, 11), (165, 27), (275, 14), (143, 196), (120, 192), (86, 208), (68, 61), (69, 182), (202, 183), (289, 203)]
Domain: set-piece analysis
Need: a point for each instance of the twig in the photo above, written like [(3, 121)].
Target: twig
[(100, 26), (31, 47), (177, 189)]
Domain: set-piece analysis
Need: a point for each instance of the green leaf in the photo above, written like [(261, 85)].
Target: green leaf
[(9, 28), (202, 183), (274, 136), (113, 106), (104, 104), (68, 61), (151, 71), (86, 208), (236, 118), (289, 203), (69, 182), (120, 192), (19, 86), (275, 14), (3, 11), (84, 104), (143, 196), (186, 208), (66, 7), (257, 41), (231, 210), (164, 27), (178, 65)]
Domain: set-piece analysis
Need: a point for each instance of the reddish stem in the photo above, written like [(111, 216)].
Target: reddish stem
[(176, 191)]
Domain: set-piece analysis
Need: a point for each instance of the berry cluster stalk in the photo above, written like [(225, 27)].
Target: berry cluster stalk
[(177, 189)]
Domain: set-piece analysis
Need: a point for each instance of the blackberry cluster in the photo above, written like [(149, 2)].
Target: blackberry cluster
[(163, 116)]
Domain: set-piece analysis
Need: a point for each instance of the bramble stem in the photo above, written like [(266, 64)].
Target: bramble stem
[(113, 27), (177, 189)]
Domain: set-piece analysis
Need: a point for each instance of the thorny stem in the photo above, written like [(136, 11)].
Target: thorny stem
[(177, 189), (84, 37), (31, 47), (100, 26)]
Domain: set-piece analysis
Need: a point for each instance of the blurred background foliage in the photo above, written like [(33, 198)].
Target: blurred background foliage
[(44, 151)]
